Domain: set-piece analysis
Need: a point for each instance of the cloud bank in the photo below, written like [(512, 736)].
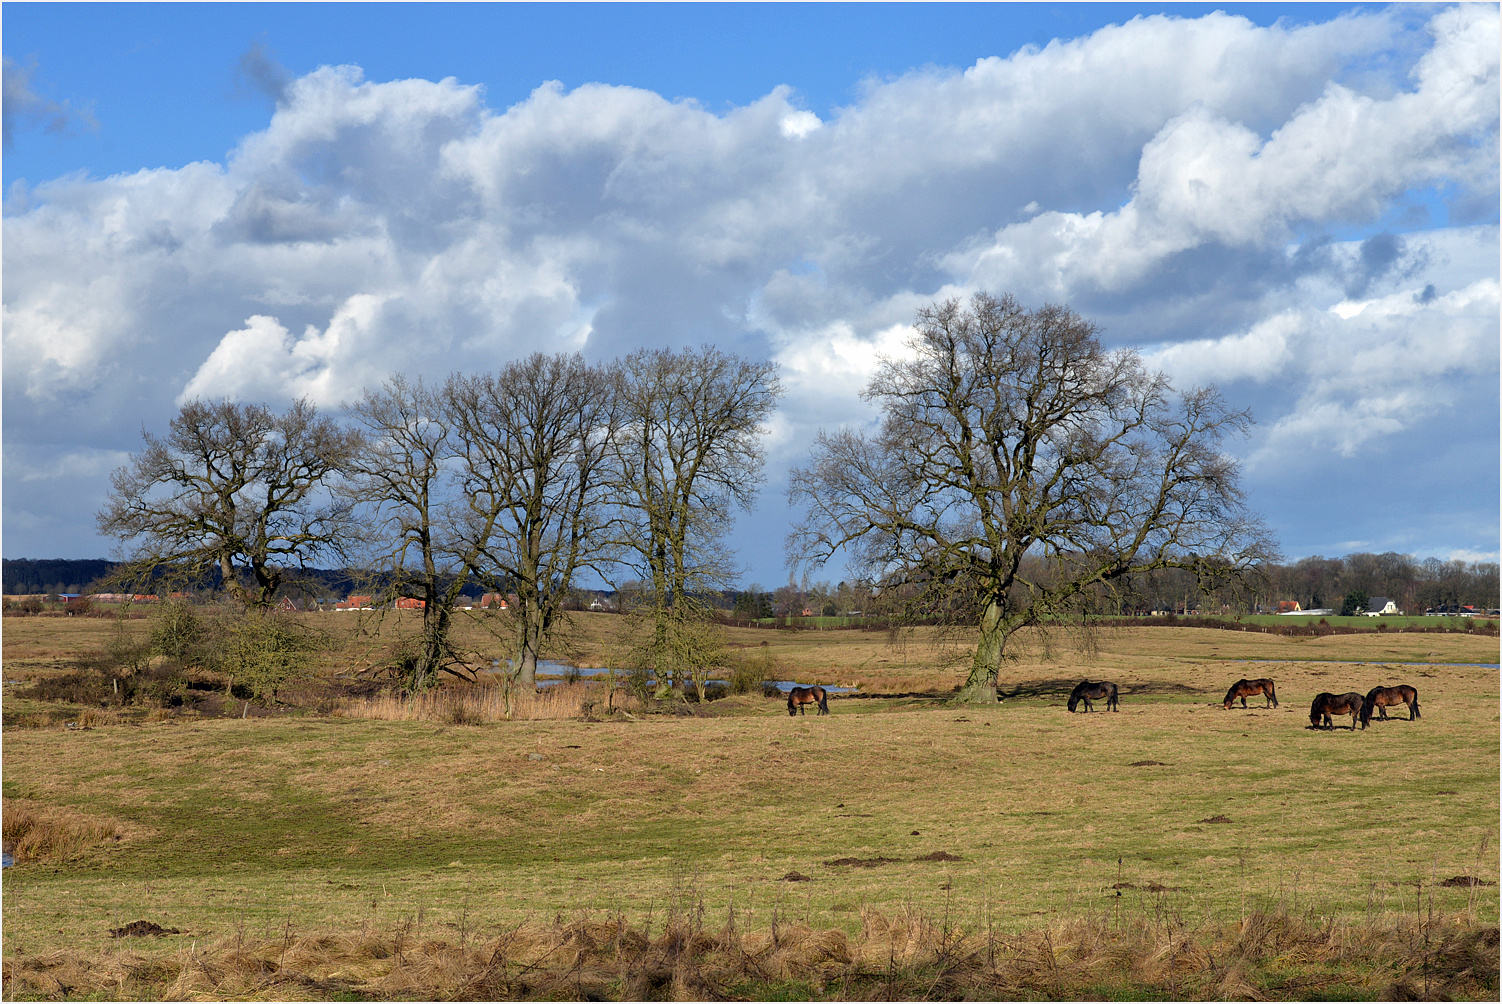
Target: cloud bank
[(1304, 215)]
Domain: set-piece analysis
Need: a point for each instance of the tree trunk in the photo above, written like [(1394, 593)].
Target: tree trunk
[(980, 688), (526, 674)]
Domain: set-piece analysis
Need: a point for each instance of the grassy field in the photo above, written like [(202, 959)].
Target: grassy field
[(1002, 818)]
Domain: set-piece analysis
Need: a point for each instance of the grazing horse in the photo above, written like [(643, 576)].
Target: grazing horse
[(799, 696), (1327, 704), (1381, 698), (1251, 688), (1086, 691)]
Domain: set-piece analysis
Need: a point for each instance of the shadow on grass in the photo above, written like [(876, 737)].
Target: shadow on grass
[(1060, 687)]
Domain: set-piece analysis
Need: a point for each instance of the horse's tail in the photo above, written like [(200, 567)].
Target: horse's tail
[(1272, 692), (1111, 701), (1367, 704), (823, 701), (1413, 706)]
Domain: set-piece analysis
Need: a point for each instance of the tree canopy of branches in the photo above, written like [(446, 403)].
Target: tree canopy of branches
[(689, 453), (1009, 431), (405, 478), (534, 443), (234, 486)]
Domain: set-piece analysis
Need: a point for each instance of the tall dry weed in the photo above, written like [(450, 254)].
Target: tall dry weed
[(35, 832), (904, 956), (479, 705)]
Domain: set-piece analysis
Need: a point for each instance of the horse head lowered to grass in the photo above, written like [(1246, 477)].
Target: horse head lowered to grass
[(1251, 688), (1087, 692), (1328, 704), (1381, 698)]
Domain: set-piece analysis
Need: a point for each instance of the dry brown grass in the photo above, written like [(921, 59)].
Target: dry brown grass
[(481, 705), (35, 832), (902, 956)]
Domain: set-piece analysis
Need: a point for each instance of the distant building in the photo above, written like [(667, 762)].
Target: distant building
[(1381, 606)]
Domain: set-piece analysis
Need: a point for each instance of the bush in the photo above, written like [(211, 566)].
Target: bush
[(748, 673), (82, 687), (178, 633), (263, 651)]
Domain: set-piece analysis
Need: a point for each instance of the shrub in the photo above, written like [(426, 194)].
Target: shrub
[(81, 687), (177, 632), (264, 650), (748, 673)]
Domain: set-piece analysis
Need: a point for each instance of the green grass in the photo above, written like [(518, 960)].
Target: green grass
[(1464, 625), (309, 823), (313, 821)]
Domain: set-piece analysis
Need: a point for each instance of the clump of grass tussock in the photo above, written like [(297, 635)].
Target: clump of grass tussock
[(907, 956), (478, 705), (34, 832)]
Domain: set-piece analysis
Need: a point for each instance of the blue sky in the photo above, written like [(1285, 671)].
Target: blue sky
[(167, 84), (1296, 202)]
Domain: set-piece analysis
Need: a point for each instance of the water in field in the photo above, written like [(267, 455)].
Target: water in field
[(550, 672), (1371, 662)]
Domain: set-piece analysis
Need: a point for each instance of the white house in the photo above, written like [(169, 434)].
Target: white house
[(1379, 606)]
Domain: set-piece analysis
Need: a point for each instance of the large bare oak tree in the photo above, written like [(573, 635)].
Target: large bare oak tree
[(534, 441), (1007, 432), (234, 486), (688, 455), (407, 482)]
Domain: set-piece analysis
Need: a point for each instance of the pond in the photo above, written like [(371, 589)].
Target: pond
[(550, 672)]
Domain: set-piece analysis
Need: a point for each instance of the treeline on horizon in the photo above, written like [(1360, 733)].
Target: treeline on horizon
[(1315, 582)]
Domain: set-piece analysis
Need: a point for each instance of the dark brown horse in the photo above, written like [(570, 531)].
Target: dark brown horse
[(1326, 705), (1251, 688), (1381, 698), (1087, 691), (799, 696)]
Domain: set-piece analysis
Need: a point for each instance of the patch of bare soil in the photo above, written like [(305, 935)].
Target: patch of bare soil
[(1465, 881), (1150, 887), (877, 862), (796, 876), (1214, 819), (1147, 763), (142, 929)]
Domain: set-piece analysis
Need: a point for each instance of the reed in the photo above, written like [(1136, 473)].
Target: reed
[(905, 955), (479, 705)]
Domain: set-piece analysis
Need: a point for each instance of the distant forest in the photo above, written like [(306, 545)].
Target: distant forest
[(1314, 582), (25, 576)]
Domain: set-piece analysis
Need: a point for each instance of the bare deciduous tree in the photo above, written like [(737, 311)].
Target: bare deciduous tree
[(689, 453), (232, 486), (406, 474), (534, 441), (1009, 431)]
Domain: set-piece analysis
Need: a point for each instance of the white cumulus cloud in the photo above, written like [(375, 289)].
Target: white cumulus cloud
[(1182, 181)]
